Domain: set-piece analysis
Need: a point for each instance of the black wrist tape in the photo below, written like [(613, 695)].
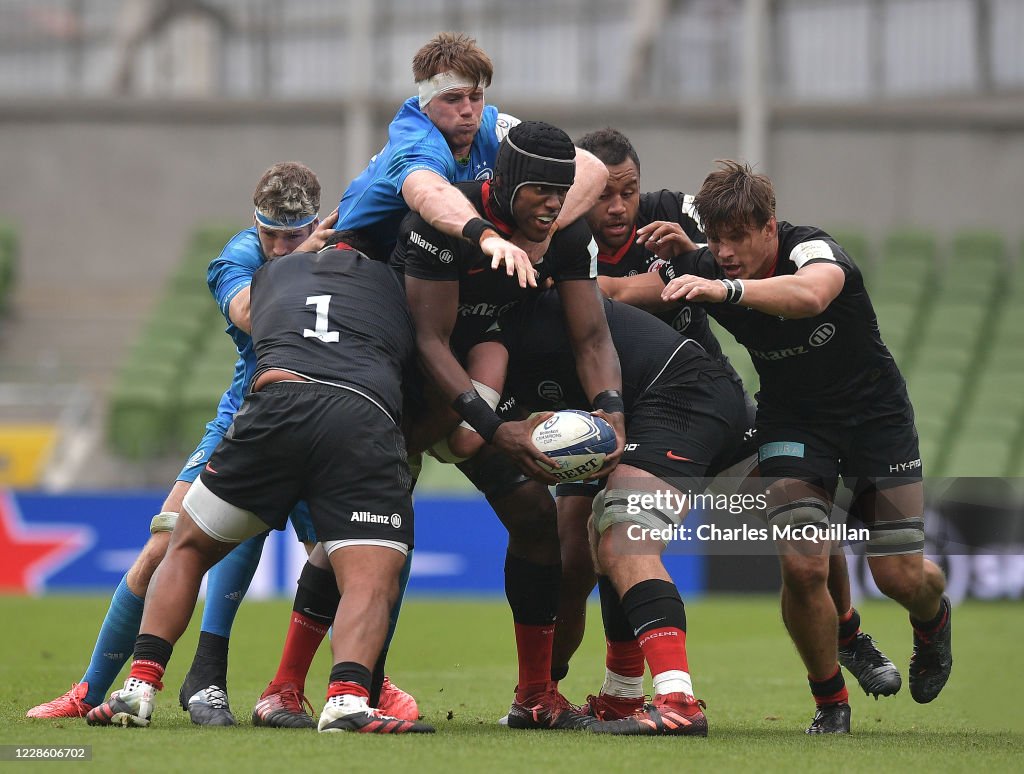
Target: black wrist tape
[(474, 409), (475, 228), (610, 402)]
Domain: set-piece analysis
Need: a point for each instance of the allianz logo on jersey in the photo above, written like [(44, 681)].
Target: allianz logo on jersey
[(419, 241), (366, 517), (819, 337)]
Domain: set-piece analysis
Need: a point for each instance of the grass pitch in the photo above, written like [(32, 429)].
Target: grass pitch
[(457, 657)]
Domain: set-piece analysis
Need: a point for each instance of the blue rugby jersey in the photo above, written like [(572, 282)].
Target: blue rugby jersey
[(373, 201), (228, 274)]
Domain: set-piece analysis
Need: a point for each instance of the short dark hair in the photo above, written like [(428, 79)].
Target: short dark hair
[(609, 145), (734, 196)]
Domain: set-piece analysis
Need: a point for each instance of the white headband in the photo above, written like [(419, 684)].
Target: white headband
[(445, 81)]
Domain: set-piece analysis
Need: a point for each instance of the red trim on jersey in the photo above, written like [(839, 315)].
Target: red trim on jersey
[(485, 192), (343, 246), (617, 256)]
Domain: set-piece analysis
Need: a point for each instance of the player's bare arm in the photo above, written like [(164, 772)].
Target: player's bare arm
[(591, 176), (238, 311), (445, 208), (643, 291), (804, 294), (665, 239)]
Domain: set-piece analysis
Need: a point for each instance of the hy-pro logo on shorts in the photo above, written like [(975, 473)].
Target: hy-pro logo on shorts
[(195, 459), (822, 335), (905, 467), (366, 517), (550, 391)]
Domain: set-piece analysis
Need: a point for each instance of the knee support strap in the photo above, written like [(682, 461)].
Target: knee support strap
[(900, 536), (803, 512), (163, 522), (622, 506)]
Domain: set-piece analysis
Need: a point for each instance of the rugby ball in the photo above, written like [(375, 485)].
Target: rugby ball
[(578, 440)]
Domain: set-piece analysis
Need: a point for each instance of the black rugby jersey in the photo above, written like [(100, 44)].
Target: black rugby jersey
[(334, 316), (542, 371), (484, 293), (632, 259), (831, 366)]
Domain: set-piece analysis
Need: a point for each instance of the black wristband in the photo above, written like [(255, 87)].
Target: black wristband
[(474, 409), (733, 290), (610, 402), (475, 228)]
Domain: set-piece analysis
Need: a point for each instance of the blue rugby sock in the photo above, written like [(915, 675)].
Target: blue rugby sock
[(227, 583), (115, 642)]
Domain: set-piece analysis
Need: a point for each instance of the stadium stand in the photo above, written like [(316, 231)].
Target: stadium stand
[(167, 388), (10, 250), (952, 351), (985, 438), (902, 287)]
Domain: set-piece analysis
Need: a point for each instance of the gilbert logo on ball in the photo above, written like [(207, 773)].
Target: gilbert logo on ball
[(577, 440)]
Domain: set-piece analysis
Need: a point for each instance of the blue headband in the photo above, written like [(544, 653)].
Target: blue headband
[(280, 225)]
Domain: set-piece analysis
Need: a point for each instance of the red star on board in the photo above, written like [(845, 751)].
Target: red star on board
[(29, 554)]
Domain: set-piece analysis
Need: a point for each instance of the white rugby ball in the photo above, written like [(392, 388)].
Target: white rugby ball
[(578, 440)]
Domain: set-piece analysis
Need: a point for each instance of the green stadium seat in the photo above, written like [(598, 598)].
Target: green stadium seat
[(197, 405), (173, 376), (856, 244), (907, 264), (977, 262), (139, 419), (10, 252)]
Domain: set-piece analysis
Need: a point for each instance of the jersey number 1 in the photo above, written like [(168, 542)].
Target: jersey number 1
[(320, 331)]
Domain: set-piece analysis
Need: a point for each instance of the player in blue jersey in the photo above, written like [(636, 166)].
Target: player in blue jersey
[(286, 202), (445, 134)]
